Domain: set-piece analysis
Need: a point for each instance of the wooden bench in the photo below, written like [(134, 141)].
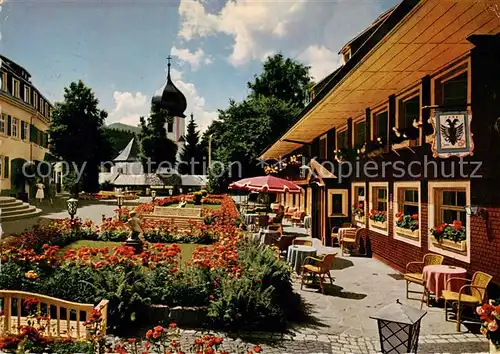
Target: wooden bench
[(66, 318), (180, 217)]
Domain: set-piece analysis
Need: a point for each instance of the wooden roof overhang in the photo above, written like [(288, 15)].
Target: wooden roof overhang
[(431, 36)]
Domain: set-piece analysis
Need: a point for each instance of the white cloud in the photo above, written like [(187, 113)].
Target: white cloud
[(130, 106), (321, 59), (314, 31), (194, 59)]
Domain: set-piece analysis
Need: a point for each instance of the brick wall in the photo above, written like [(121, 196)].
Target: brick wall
[(485, 245)]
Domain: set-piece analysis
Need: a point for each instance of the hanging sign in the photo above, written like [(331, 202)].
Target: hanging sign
[(452, 134)]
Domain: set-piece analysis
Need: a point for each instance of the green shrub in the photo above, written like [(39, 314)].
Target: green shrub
[(204, 192), (188, 287)]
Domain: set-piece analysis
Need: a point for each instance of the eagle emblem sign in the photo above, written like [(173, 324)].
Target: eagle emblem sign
[(453, 136)]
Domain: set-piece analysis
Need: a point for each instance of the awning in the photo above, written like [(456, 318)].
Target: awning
[(431, 36)]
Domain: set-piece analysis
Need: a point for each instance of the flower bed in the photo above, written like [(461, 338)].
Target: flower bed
[(157, 340), (65, 231), (240, 283)]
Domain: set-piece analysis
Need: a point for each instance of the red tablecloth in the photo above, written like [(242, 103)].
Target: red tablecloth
[(436, 276)]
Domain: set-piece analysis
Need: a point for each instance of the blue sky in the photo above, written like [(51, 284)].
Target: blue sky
[(119, 48)]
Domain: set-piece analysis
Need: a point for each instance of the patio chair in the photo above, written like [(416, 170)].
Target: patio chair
[(335, 232), (320, 267), (411, 276), (283, 243), (302, 243), (477, 296), (350, 240)]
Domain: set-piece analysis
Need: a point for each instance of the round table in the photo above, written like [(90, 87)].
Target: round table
[(297, 254), (436, 276)]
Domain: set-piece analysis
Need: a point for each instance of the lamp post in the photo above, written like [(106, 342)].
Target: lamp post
[(399, 328), (72, 207), (153, 195), (119, 203), (209, 151)]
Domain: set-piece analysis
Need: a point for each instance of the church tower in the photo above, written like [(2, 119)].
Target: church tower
[(174, 101)]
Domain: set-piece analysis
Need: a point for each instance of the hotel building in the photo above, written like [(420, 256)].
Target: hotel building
[(417, 107)]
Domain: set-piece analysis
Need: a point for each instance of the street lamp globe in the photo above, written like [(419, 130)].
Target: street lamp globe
[(72, 207)]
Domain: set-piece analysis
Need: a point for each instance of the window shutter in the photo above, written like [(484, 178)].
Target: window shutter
[(6, 167), (22, 130), (33, 133), (9, 125)]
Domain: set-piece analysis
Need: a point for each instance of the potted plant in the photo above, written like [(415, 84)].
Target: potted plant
[(378, 219), (490, 317), (407, 225), (358, 212), (450, 236)]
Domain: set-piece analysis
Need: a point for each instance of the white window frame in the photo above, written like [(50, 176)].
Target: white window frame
[(3, 123), (26, 131), (345, 201), (397, 206), (432, 217), (35, 100), (15, 87), (15, 127), (27, 94), (371, 186), (354, 186)]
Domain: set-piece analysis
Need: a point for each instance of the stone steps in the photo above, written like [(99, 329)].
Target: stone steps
[(13, 209)]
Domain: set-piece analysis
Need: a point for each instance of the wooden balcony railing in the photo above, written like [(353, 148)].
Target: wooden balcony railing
[(61, 318)]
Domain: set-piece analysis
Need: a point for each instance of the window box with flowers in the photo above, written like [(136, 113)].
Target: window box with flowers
[(358, 212), (407, 225), (378, 219), (450, 236)]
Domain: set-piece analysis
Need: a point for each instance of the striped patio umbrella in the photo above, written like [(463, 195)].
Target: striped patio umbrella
[(266, 184)]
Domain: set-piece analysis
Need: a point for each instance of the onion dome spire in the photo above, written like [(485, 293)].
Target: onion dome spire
[(171, 98)]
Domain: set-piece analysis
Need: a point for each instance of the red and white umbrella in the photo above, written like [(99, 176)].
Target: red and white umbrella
[(266, 184)]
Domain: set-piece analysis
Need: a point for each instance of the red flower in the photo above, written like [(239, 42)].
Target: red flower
[(457, 225), (257, 348), (414, 216)]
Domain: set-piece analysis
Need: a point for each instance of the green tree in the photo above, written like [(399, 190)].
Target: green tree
[(246, 128), (157, 150), (76, 135), (193, 151), (285, 79), (117, 139)]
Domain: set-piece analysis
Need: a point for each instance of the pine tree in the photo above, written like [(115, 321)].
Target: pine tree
[(192, 151)]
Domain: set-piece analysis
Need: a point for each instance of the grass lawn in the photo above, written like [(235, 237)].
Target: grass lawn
[(205, 206), (186, 248)]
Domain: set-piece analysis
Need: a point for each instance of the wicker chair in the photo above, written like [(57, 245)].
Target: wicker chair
[(335, 232), (351, 240), (477, 295), (321, 268), (413, 275), (302, 242)]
